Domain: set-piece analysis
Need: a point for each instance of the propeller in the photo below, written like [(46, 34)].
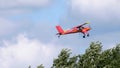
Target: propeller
[(87, 22)]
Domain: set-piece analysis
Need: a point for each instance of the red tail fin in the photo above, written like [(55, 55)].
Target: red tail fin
[(59, 29)]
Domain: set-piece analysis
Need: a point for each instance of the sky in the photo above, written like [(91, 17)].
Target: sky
[(28, 34)]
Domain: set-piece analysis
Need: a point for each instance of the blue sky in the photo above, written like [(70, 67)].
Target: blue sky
[(27, 29)]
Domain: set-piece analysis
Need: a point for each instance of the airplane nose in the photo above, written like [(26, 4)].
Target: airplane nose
[(87, 29)]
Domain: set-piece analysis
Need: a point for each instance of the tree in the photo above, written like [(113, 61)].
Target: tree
[(93, 57), (72, 63), (62, 60), (29, 66), (110, 58), (40, 66)]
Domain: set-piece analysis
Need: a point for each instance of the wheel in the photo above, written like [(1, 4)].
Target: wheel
[(88, 35), (58, 36), (83, 36)]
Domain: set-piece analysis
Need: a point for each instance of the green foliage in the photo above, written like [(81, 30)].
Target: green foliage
[(29, 67), (65, 61), (110, 58), (40, 66), (72, 63), (62, 61), (93, 57)]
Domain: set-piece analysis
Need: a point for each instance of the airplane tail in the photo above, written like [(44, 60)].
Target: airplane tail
[(59, 29)]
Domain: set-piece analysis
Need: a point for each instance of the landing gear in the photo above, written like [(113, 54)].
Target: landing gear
[(88, 35), (83, 36), (58, 35)]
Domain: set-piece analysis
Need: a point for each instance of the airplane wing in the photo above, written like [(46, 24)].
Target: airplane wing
[(82, 25)]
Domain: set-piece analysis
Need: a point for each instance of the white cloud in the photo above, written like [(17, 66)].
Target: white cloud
[(22, 51), (6, 26), (108, 40), (10, 27), (19, 3), (8, 12), (8, 7), (97, 7), (25, 52)]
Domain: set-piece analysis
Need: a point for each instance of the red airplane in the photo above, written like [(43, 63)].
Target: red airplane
[(77, 29)]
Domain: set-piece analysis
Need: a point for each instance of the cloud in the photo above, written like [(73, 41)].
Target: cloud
[(10, 28), (8, 7), (22, 52), (96, 8), (108, 40), (6, 26), (9, 12), (24, 3), (103, 15), (42, 31)]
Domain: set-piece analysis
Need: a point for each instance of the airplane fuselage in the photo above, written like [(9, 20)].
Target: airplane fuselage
[(75, 30)]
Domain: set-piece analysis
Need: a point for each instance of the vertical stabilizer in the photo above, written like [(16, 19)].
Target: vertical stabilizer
[(59, 29)]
